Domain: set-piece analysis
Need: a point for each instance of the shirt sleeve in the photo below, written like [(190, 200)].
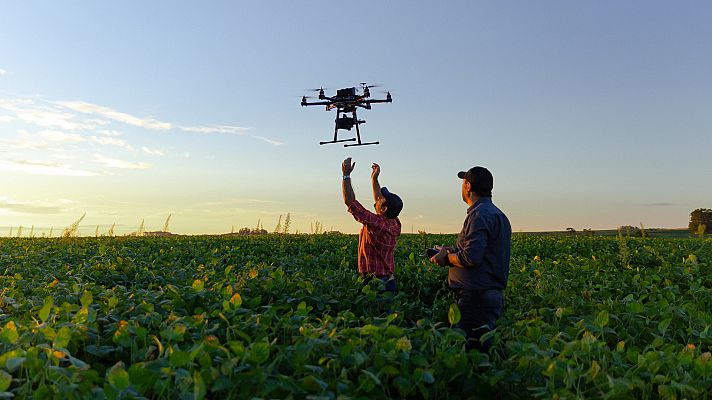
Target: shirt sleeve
[(475, 243), (363, 216)]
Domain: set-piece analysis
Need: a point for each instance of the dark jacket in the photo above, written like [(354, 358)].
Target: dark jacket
[(483, 248)]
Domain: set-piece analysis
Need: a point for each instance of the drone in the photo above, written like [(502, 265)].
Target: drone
[(347, 101)]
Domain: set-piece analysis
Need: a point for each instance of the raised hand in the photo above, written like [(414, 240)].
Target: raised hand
[(347, 166)]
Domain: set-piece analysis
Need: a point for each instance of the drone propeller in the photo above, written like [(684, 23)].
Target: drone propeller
[(317, 90), (363, 84)]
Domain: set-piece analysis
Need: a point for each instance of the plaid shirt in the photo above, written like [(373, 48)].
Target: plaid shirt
[(376, 241)]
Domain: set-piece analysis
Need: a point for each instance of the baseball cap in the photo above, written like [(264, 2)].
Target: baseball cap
[(480, 178), (393, 202)]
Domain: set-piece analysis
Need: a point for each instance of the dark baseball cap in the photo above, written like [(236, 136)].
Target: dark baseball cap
[(393, 202), (480, 178)]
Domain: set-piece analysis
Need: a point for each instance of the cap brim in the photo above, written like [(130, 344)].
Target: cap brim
[(461, 174)]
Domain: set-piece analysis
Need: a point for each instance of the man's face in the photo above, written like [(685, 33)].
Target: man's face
[(380, 205), (465, 190)]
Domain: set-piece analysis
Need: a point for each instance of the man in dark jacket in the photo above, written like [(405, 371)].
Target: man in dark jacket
[(479, 265)]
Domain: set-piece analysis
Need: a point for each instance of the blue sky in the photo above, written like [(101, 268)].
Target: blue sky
[(589, 114)]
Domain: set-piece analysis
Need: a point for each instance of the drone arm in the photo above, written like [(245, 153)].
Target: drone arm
[(316, 103), (378, 101)]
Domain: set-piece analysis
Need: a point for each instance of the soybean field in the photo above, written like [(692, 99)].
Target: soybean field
[(287, 316)]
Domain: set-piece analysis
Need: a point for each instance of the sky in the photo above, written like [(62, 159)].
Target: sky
[(588, 114)]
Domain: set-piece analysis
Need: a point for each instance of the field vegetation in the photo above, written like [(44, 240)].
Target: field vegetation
[(287, 316)]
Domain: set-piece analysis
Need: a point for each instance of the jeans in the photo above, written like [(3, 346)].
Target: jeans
[(479, 311)]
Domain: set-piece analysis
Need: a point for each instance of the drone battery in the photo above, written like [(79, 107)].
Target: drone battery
[(346, 92)]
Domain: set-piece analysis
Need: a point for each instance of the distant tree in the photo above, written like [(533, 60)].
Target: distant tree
[(244, 231), (628, 230), (570, 230), (701, 216)]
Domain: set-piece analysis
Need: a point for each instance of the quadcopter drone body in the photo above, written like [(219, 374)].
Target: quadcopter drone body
[(347, 101)]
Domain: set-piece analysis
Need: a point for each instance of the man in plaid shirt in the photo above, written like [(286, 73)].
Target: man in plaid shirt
[(379, 233)]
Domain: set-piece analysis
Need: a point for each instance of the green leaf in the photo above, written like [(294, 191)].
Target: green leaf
[(594, 370), (663, 325), (12, 364), (453, 314), (314, 384), (179, 358), (113, 302), (46, 308), (428, 377), (199, 388), (602, 319), (369, 329), (64, 335), (86, 299), (118, 377), (78, 363), (9, 334), (259, 352), (198, 285), (5, 380)]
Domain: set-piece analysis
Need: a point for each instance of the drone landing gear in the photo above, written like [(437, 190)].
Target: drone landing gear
[(360, 144), (346, 123), (339, 141)]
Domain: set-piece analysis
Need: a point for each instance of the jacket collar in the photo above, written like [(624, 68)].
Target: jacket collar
[(481, 200)]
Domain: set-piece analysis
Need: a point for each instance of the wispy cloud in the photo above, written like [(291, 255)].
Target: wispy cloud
[(6, 118), (270, 141), (30, 207), (237, 130), (111, 141), (42, 168), (89, 108), (152, 152), (2, 72), (58, 136), (45, 117), (120, 164)]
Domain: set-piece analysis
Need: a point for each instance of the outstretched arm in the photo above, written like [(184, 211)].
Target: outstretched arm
[(376, 170), (346, 188)]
